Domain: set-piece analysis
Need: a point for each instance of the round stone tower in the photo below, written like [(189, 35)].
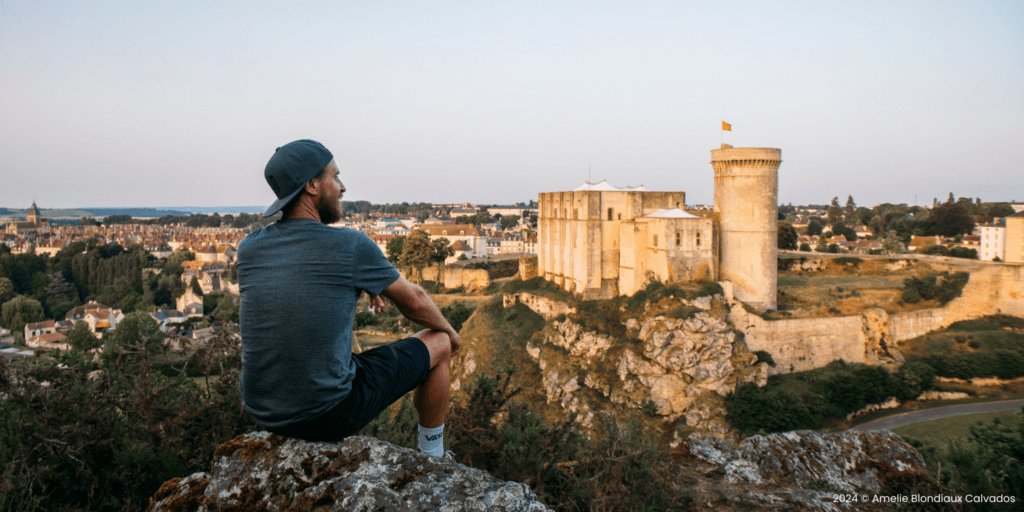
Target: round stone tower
[(746, 200)]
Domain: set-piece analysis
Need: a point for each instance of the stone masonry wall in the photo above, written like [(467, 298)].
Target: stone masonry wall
[(455, 277), (871, 337)]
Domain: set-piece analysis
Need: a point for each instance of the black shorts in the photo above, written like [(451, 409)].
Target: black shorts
[(383, 375)]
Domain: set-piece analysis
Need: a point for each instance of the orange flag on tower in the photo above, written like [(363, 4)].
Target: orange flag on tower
[(726, 126)]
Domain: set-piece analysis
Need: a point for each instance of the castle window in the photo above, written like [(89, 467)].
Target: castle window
[(611, 216), (698, 239), (677, 205), (655, 240), (679, 239), (620, 216)]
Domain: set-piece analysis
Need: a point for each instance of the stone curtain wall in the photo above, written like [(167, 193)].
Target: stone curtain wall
[(991, 290), (455, 277), (803, 344), (808, 343)]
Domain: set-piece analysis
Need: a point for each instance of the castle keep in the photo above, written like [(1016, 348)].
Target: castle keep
[(599, 241)]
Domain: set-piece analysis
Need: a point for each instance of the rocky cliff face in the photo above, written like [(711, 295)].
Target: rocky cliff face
[(675, 370), (807, 470), (262, 471), (794, 470)]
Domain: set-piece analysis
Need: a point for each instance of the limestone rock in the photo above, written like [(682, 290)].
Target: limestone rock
[(571, 336), (262, 471), (848, 462)]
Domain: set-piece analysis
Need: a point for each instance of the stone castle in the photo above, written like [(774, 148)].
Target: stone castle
[(600, 242)]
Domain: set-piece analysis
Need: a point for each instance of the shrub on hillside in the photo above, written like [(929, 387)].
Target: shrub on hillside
[(1004, 364), (457, 313), (989, 462), (108, 441), (805, 399), (913, 379), (755, 410), (963, 252), (709, 289)]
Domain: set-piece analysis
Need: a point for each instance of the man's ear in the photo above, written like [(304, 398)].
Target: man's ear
[(313, 187)]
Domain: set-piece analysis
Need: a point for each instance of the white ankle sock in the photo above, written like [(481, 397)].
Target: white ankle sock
[(432, 440)]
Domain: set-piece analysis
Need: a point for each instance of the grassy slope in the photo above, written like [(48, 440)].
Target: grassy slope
[(938, 433)]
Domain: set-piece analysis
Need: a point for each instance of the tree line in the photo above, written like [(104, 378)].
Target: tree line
[(36, 287)]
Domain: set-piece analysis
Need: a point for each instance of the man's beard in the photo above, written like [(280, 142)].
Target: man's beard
[(330, 211)]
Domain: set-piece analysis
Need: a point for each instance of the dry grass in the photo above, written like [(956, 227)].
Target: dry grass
[(845, 289)]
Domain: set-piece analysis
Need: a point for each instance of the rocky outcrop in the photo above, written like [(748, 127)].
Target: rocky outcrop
[(818, 465), (263, 471), (675, 369), (543, 306)]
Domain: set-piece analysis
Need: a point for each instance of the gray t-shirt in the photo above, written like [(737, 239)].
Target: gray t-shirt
[(299, 281)]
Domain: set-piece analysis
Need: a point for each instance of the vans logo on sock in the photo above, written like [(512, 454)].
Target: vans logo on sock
[(434, 437)]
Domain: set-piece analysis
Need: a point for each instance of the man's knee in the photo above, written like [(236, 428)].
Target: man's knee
[(438, 344)]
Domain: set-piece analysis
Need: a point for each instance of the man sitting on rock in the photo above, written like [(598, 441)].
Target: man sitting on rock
[(299, 280)]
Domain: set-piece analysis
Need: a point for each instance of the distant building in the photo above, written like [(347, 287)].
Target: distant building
[(34, 223), (1014, 248), (599, 241), (992, 242)]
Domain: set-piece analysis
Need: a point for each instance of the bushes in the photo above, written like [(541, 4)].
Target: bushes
[(917, 289), (457, 313), (752, 410), (963, 252), (621, 469), (109, 442), (1004, 364), (805, 399), (913, 379), (988, 462)]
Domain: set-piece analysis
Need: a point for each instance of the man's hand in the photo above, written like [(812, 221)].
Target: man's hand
[(416, 305), (456, 342), (376, 304)]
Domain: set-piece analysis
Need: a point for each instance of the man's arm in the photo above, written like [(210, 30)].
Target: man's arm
[(415, 304)]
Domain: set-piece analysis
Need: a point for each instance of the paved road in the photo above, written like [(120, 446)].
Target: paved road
[(907, 418)]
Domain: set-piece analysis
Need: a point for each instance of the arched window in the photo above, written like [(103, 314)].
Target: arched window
[(698, 239), (679, 239)]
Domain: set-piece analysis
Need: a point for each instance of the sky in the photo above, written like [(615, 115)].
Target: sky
[(122, 104)]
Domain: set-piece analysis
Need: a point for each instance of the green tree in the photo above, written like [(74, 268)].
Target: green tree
[(787, 236), (19, 311), (6, 289), (805, 247), (840, 228), (892, 244), (822, 245), (850, 212), (509, 221), (417, 252), (835, 213), (440, 250), (395, 248), (951, 219), (833, 248), (81, 338), (814, 227)]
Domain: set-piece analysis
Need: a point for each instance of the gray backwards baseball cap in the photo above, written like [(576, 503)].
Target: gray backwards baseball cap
[(291, 167)]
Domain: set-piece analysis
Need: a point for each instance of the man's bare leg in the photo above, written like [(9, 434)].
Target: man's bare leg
[(431, 397)]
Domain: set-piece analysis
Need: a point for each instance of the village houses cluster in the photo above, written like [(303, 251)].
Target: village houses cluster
[(214, 250)]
